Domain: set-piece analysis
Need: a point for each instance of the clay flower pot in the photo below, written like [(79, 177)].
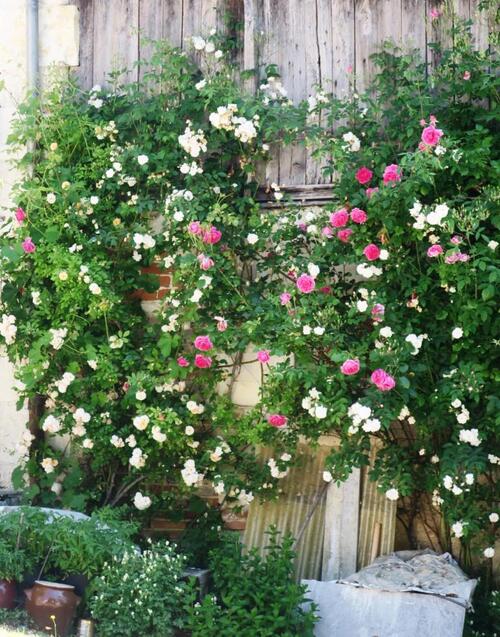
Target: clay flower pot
[(52, 606), (7, 594)]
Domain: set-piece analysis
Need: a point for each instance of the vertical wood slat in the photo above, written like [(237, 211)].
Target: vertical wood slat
[(85, 70), (375, 22), (116, 38)]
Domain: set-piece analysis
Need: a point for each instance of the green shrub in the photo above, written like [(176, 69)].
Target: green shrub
[(253, 596)]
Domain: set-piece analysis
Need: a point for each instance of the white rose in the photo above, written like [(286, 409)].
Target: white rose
[(252, 238), (493, 517), (142, 159), (327, 476), (392, 494), (489, 552), (141, 502), (51, 197), (457, 333)]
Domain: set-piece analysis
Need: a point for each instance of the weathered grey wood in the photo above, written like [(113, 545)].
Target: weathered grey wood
[(340, 547), (172, 21), (413, 21), (342, 42), (85, 69), (116, 38), (375, 22)]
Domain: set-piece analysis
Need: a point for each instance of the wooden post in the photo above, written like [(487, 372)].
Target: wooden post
[(340, 549)]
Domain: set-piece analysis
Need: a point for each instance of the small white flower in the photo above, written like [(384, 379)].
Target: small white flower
[(386, 332), (470, 436), (492, 245), (141, 422), (88, 443), (189, 431), (457, 529), (51, 197), (95, 289), (218, 54), (198, 42), (49, 464), (469, 478), (252, 238), (392, 494), (319, 331), (306, 330), (361, 306), (384, 254), (140, 395), (142, 159), (457, 333), (313, 270), (320, 412), (489, 552), (200, 85), (327, 476), (456, 403), (493, 517), (141, 502)]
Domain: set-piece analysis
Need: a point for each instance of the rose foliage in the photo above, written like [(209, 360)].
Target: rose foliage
[(372, 318)]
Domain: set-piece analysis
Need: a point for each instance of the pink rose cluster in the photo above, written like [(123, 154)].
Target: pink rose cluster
[(209, 236), (341, 218), (392, 174), (456, 257), (382, 380)]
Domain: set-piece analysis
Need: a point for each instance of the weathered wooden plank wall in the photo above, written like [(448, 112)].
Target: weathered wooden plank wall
[(314, 42)]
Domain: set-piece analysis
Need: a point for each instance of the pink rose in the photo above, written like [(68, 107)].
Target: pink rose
[(212, 236), (28, 245), (339, 218), (302, 226), (456, 240), (306, 283), (277, 420), (350, 367), (382, 380), (378, 311), (371, 252), (203, 362), (435, 250), (463, 257), (434, 13), (205, 262), (285, 298), (431, 135), (344, 235), (20, 215), (263, 356), (194, 227), (392, 173), (370, 192), (222, 325), (358, 215), (326, 289), (466, 75), (326, 232), (203, 343), (364, 175), (182, 362)]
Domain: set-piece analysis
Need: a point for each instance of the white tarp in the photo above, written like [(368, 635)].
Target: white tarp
[(405, 594)]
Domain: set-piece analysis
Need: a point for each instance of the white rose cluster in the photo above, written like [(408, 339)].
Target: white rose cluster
[(66, 380), (470, 436), (193, 143), (190, 475), (8, 328), (360, 416), (351, 142), (312, 405), (367, 270), (58, 336), (141, 502), (416, 342), (434, 218)]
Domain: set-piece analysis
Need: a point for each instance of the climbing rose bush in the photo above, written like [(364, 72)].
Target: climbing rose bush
[(372, 319)]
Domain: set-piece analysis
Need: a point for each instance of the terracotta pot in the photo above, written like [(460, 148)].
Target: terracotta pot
[(48, 599), (7, 594)]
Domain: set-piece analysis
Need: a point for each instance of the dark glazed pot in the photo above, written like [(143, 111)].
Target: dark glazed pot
[(7, 594), (47, 600)]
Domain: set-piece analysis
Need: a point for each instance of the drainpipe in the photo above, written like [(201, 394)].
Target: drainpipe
[(32, 45), (35, 404)]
